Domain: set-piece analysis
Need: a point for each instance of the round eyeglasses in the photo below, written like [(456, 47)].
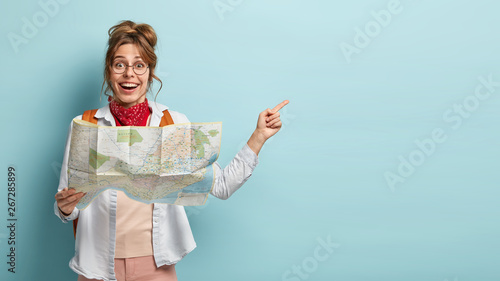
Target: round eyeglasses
[(139, 67)]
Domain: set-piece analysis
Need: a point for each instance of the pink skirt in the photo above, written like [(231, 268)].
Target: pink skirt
[(140, 269)]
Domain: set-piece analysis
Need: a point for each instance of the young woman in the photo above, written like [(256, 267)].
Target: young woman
[(122, 239)]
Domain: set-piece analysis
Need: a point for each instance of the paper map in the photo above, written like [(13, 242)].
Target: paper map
[(171, 164)]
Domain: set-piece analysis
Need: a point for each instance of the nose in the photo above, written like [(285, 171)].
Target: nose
[(129, 71)]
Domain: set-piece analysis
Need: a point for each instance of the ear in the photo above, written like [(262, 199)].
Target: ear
[(151, 74)]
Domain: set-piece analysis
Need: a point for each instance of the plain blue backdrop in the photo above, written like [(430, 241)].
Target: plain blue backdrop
[(358, 163)]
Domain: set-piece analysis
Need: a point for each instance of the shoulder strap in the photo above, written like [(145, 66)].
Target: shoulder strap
[(89, 116), (166, 119)]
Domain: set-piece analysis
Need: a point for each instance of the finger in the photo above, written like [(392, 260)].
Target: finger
[(72, 198), (65, 193), (276, 126), (60, 192), (272, 117), (67, 209), (59, 195), (265, 113), (280, 106), (274, 122), (77, 196), (68, 192)]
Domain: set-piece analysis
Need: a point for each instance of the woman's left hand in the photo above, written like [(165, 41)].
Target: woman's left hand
[(268, 124)]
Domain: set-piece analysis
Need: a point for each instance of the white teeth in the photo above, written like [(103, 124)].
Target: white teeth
[(130, 85)]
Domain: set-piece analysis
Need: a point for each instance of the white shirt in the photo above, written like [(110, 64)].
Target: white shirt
[(172, 236)]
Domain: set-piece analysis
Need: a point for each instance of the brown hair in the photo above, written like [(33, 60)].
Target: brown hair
[(128, 32)]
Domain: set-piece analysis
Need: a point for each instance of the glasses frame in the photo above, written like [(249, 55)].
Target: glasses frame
[(133, 68)]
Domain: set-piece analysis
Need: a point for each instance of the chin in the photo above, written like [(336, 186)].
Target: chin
[(130, 100), (125, 99)]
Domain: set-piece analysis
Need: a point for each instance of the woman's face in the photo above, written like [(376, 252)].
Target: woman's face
[(129, 88)]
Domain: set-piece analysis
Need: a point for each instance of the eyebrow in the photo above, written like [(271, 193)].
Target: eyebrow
[(136, 57)]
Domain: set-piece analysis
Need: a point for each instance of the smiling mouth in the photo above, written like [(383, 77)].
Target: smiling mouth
[(129, 86)]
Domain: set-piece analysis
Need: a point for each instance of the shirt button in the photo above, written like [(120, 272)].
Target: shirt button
[(156, 221)]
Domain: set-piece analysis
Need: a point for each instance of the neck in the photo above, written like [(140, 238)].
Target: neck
[(129, 105)]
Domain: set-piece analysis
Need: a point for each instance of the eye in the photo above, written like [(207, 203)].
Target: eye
[(140, 65), (119, 65)]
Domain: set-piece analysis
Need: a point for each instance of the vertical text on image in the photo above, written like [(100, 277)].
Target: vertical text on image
[(11, 222)]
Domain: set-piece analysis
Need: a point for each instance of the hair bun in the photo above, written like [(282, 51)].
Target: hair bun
[(130, 27), (148, 32)]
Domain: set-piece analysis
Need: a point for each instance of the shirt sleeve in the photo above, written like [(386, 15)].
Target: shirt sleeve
[(234, 175), (63, 180)]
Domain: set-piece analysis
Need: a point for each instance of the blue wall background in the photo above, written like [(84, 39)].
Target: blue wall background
[(399, 93)]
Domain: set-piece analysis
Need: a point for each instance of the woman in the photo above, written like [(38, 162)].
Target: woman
[(119, 238)]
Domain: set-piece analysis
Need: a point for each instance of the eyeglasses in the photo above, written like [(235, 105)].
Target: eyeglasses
[(139, 67)]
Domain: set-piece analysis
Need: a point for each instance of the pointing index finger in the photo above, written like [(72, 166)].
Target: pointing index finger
[(279, 106)]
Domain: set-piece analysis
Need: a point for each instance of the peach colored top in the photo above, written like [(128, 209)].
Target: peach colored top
[(134, 225)]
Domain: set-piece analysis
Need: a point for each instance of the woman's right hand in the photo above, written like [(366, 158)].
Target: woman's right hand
[(67, 200)]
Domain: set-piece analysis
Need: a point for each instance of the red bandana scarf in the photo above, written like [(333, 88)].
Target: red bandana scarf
[(136, 115)]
